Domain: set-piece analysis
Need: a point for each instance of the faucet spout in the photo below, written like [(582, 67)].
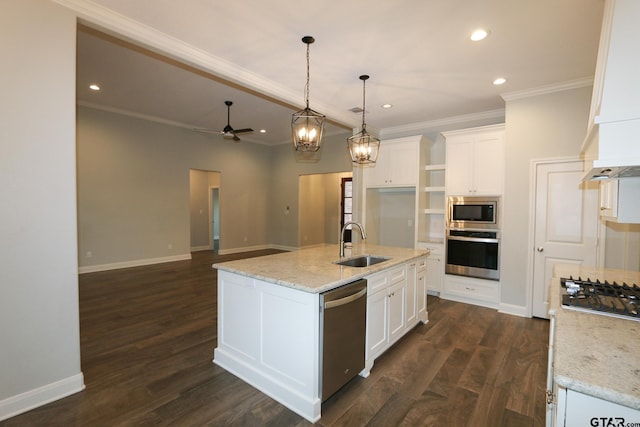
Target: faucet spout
[(344, 227)]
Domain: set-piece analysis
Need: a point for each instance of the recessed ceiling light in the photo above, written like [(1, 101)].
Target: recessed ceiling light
[(263, 131), (479, 34), (94, 87), (499, 81), (386, 106)]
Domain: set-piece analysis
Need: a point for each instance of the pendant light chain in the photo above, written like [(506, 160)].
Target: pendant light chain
[(364, 89), (307, 85)]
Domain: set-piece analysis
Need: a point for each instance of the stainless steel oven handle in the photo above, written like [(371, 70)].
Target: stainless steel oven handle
[(473, 239)]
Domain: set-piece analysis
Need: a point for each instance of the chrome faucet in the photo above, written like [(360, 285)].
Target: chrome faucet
[(344, 227)]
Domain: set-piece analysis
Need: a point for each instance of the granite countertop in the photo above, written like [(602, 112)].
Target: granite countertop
[(313, 270), (595, 354)]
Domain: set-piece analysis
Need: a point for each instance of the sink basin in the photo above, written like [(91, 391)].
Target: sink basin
[(362, 261)]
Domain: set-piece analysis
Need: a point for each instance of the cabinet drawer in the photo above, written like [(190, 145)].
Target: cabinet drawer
[(421, 264), (398, 274), (376, 282), (485, 290)]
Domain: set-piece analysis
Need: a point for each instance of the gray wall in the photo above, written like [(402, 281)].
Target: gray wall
[(133, 188), (286, 167), (545, 126), (39, 337)]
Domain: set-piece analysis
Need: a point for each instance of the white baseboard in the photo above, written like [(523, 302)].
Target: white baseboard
[(133, 263), (256, 248), (516, 310), (31, 399)]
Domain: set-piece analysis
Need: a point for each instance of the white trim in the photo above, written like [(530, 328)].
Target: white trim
[(31, 399), (548, 89), (284, 248), (514, 310), (435, 125), (133, 263), (201, 248), (121, 26)]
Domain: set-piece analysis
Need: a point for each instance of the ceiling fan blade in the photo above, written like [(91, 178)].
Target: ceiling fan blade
[(245, 130), (217, 132), (235, 138)]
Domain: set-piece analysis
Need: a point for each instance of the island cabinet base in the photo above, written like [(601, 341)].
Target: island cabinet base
[(268, 335)]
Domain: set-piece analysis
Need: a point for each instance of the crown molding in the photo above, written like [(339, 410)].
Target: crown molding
[(548, 89), (120, 26), (437, 125)]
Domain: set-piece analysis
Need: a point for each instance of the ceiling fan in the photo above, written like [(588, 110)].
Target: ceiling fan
[(228, 132)]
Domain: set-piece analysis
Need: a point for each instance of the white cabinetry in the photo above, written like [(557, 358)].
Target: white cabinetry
[(435, 269), (578, 409), (475, 161), (393, 193), (396, 302), (431, 200), (397, 164), (620, 200), (471, 290)]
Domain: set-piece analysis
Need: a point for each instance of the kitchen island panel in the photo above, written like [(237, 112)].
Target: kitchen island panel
[(268, 335)]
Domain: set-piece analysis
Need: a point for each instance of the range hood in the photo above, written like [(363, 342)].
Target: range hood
[(611, 148)]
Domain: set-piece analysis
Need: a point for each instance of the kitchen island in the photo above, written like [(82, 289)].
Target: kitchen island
[(596, 358), (269, 321)]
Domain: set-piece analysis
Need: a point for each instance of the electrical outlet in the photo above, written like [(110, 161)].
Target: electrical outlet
[(245, 238), (169, 246), (89, 254)]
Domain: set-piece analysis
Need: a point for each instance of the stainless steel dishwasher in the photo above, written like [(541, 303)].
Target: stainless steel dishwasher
[(343, 316)]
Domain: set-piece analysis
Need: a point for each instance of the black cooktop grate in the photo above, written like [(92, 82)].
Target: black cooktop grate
[(619, 300)]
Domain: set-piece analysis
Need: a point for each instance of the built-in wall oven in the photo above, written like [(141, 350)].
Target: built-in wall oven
[(473, 237)]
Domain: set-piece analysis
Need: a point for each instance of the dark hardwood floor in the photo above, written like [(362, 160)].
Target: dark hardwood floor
[(147, 339)]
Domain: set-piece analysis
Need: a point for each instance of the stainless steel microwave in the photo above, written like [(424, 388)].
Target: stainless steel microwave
[(473, 212)]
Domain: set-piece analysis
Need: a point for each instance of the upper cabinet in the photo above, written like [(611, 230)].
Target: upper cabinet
[(397, 164), (475, 161), (613, 134)]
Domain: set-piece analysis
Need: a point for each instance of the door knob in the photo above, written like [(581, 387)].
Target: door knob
[(540, 249)]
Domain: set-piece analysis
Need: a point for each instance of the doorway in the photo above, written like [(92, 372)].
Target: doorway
[(204, 206), (214, 220), (566, 224), (320, 213)]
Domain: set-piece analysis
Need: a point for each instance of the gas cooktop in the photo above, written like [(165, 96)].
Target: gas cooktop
[(610, 299)]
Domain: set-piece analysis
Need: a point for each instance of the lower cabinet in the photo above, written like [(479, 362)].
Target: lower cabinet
[(435, 270), (471, 290), (578, 409), (396, 302)]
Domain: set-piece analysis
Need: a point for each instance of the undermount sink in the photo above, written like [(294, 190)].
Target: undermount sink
[(362, 261)]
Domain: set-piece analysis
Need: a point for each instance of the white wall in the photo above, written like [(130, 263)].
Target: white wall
[(545, 126), (39, 337)]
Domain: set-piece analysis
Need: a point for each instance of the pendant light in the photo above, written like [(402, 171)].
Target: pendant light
[(362, 146), (307, 125)]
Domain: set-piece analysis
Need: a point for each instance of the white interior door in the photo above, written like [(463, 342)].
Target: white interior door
[(566, 224)]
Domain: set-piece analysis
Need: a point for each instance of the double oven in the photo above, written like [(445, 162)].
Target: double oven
[(473, 237)]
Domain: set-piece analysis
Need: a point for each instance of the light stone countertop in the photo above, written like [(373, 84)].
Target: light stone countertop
[(595, 354), (313, 270)]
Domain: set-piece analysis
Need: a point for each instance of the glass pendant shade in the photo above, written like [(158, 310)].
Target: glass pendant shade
[(306, 129), (307, 125), (362, 146)]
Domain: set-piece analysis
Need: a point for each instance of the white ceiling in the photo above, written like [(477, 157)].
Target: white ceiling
[(417, 52)]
